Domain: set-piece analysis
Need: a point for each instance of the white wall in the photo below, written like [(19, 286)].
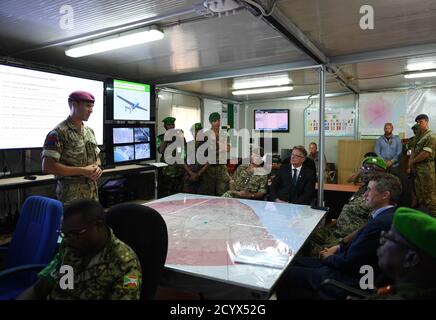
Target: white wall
[(296, 136)]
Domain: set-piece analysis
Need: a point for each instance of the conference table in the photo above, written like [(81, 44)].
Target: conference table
[(224, 244)]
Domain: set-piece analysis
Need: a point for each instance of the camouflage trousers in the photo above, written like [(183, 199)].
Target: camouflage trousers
[(68, 190), (172, 180), (425, 186), (215, 180)]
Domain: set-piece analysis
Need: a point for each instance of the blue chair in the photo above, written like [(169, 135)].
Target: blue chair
[(33, 245)]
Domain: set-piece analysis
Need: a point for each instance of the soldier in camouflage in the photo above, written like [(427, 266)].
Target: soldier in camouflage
[(70, 152), (353, 215), (193, 169), (103, 267), (216, 178), (172, 175), (249, 181), (422, 163)]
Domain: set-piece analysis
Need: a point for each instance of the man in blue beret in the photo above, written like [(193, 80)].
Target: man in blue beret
[(71, 153), (422, 163)]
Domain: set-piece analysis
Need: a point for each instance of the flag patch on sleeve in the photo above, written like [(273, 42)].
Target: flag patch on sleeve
[(130, 282)]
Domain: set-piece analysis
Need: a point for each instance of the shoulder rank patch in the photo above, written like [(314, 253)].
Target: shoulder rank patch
[(130, 282)]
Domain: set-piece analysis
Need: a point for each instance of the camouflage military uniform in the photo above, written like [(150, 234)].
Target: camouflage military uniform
[(113, 274), (216, 179), (191, 160), (247, 180), (353, 216), (72, 148), (172, 175), (425, 178)]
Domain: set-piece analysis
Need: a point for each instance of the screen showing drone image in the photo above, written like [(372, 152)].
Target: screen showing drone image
[(142, 134), (123, 135), (142, 151), (124, 153), (131, 101)]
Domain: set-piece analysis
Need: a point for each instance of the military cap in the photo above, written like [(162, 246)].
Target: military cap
[(214, 116), (416, 227), (81, 96), (197, 126), (421, 117), (376, 161), (169, 120)]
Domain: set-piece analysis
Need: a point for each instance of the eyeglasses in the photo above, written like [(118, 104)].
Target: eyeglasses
[(296, 155), (366, 168), (72, 233), (384, 236)]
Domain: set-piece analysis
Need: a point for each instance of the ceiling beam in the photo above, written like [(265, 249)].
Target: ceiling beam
[(214, 75), (393, 53)]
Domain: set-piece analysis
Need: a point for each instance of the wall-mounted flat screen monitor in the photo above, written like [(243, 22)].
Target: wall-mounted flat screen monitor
[(142, 134), (275, 120), (33, 102), (132, 143), (123, 135), (131, 101), (142, 151), (124, 153)]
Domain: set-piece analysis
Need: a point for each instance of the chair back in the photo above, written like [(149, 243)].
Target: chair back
[(145, 231), (34, 240)]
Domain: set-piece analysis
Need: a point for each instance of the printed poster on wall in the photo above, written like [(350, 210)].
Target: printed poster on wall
[(337, 122), (376, 109)]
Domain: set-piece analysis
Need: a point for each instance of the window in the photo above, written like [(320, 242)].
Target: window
[(186, 117)]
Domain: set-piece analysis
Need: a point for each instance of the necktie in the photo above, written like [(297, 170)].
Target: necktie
[(294, 177)]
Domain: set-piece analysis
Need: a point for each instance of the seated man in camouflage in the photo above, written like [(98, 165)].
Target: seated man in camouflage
[(249, 181), (353, 215), (92, 264)]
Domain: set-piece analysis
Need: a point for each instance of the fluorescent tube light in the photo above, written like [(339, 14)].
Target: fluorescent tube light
[(261, 81), (263, 90), (423, 74), (121, 40)]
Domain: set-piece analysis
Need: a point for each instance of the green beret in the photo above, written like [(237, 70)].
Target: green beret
[(376, 161), (197, 126), (416, 227), (415, 126), (214, 116), (169, 120)]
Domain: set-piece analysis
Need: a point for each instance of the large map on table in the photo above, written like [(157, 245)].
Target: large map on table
[(213, 231)]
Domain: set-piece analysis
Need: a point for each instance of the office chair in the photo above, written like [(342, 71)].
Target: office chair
[(145, 231), (33, 245), (345, 290)]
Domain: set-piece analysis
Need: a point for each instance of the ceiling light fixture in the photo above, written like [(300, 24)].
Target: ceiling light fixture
[(261, 81), (421, 74), (263, 90), (121, 40)]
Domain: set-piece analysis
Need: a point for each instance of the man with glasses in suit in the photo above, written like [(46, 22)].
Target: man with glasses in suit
[(294, 182)]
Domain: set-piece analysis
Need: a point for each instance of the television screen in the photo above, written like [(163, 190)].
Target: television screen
[(142, 134), (131, 101), (142, 151), (33, 102), (124, 153), (123, 135), (276, 120)]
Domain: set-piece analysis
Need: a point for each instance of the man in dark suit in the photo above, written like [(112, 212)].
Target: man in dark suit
[(343, 262), (294, 182)]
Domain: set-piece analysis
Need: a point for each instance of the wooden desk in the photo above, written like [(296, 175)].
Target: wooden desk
[(336, 196), (339, 187), (20, 182)]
